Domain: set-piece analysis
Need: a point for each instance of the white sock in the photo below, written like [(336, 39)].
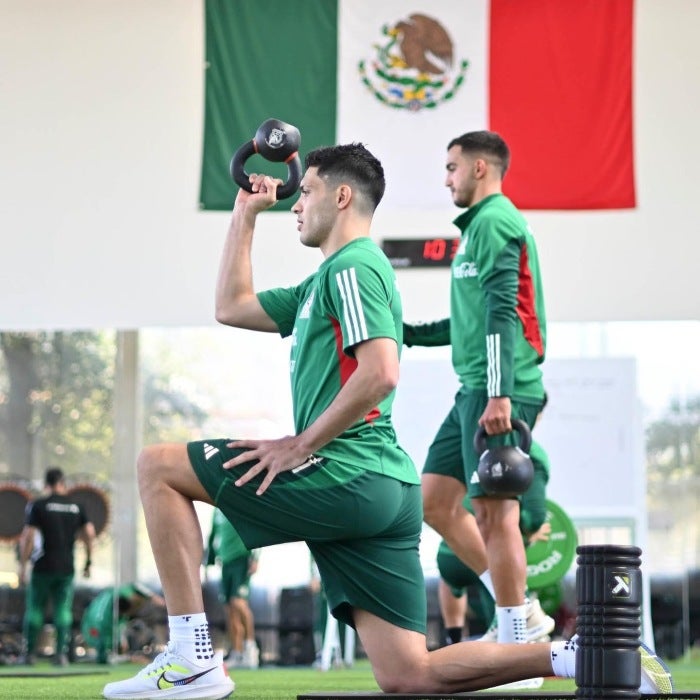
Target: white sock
[(512, 623), (486, 580), (564, 658), (191, 632)]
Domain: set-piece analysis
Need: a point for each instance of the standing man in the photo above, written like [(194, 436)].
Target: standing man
[(497, 332), (236, 569), (52, 525), (341, 483)]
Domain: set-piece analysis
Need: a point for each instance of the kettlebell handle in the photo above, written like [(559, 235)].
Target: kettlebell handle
[(520, 426), (277, 142)]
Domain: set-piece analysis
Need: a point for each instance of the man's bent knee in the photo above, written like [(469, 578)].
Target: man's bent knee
[(150, 466), (168, 465), (399, 657), (394, 681)]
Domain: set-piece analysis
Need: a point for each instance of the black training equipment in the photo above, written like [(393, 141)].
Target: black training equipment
[(13, 504), (277, 142), (505, 471), (608, 618)]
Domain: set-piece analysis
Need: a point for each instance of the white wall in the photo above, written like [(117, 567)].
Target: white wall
[(101, 130), (591, 429)]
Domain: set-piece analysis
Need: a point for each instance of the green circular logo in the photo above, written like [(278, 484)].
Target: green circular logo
[(548, 560)]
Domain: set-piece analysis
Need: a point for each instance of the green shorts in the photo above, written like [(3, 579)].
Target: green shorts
[(458, 576), (363, 528), (454, 572), (235, 579), (452, 451)]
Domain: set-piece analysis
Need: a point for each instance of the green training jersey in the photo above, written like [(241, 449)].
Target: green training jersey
[(497, 328), (352, 297)]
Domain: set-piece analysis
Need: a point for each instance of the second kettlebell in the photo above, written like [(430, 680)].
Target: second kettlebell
[(505, 471)]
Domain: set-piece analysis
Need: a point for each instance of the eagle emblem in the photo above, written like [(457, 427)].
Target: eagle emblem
[(415, 68)]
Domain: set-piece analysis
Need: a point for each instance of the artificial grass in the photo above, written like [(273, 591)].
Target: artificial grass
[(266, 683)]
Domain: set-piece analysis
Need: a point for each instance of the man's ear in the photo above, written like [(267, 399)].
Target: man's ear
[(343, 195)]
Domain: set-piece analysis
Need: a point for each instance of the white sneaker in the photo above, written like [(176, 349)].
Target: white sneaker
[(170, 675), (527, 684), (234, 660), (656, 676), (539, 624), (251, 655)]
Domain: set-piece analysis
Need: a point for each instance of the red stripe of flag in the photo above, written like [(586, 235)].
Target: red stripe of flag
[(560, 93)]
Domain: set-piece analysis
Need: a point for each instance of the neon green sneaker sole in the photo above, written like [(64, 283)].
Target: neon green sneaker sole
[(656, 676)]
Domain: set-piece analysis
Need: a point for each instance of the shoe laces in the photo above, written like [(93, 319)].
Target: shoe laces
[(160, 662)]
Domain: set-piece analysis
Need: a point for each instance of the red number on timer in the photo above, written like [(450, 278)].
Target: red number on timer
[(435, 249)]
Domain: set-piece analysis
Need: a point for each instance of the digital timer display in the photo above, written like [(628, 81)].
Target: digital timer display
[(420, 252)]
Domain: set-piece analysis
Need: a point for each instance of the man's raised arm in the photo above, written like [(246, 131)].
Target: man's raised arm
[(236, 302)]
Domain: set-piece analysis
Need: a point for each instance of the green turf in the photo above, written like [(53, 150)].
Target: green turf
[(263, 684)]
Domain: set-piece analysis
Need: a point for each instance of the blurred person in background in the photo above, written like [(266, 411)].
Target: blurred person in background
[(52, 525)]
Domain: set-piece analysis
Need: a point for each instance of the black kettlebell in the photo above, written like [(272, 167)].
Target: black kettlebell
[(277, 142), (505, 471)]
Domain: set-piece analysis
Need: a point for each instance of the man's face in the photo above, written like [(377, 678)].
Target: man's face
[(315, 209), (461, 177)]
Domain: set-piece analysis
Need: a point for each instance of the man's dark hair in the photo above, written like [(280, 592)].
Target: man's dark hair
[(487, 144), (351, 163), (54, 475)]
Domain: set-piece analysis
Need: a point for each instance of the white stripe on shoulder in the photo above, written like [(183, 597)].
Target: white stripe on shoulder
[(353, 314)]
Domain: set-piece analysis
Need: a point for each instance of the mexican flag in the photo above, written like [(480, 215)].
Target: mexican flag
[(553, 77)]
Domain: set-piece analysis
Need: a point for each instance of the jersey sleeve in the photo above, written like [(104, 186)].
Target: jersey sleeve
[(361, 298), (430, 335), (498, 259), (281, 305)]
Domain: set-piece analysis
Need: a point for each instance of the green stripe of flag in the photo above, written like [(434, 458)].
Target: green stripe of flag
[(265, 59)]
